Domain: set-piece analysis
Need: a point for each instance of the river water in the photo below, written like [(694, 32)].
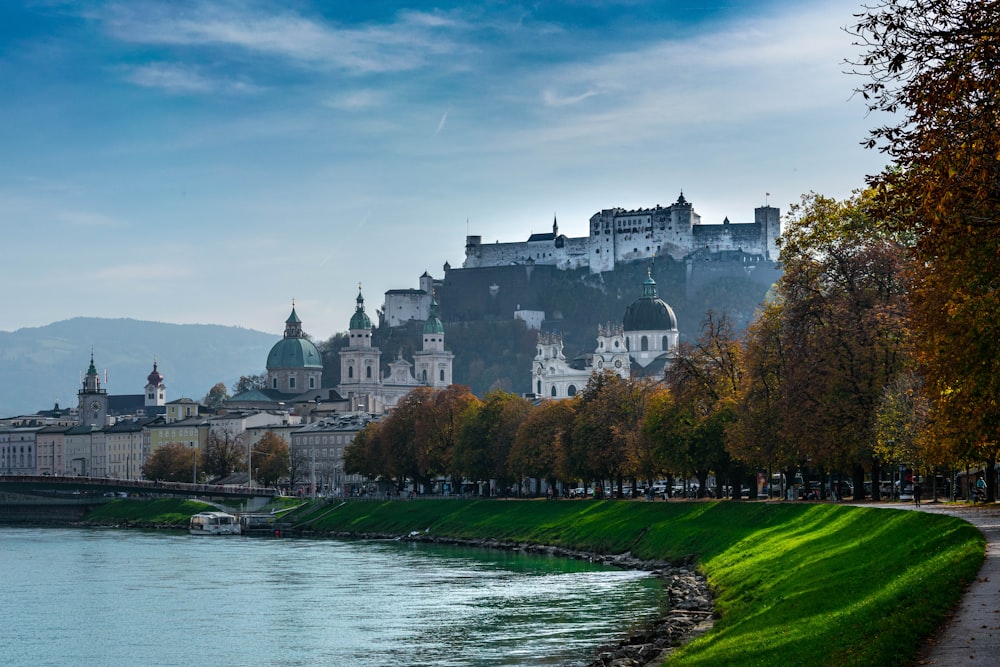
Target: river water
[(116, 597)]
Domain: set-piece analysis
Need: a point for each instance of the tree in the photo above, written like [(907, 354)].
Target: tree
[(540, 438), (704, 379), (250, 382), (436, 431), (224, 454), (843, 323), (933, 65), (486, 437), (215, 396), (173, 462), (758, 436), (270, 459), (608, 414)]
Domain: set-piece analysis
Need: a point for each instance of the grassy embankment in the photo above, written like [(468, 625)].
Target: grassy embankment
[(803, 584)]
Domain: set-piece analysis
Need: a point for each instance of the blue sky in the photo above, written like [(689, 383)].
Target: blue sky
[(208, 162)]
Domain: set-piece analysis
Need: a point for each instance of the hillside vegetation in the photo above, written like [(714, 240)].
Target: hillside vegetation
[(805, 584)]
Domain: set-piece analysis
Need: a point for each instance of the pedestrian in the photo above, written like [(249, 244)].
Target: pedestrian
[(916, 492), (981, 489)]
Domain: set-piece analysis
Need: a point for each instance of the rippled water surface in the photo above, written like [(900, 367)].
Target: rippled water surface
[(114, 597)]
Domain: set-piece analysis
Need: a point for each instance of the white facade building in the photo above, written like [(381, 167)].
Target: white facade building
[(618, 235)]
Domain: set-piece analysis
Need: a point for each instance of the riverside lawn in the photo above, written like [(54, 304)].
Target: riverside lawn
[(795, 583)]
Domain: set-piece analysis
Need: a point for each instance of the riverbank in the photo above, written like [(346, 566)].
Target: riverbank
[(801, 583), (794, 583)]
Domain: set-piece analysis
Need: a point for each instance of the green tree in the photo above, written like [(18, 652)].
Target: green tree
[(249, 382)]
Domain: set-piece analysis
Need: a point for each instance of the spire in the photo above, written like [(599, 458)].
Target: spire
[(293, 325), (555, 226), (360, 319), (649, 285)]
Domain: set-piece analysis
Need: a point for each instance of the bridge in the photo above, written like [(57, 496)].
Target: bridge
[(74, 488)]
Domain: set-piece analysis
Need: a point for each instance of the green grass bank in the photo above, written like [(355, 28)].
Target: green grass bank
[(795, 583)]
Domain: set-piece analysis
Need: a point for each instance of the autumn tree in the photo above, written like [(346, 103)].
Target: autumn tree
[(437, 431), (843, 309), (932, 64), (704, 378), (540, 438), (224, 454), (758, 436), (173, 462), (487, 435), (270, 459), (215, 396), (608, 414)]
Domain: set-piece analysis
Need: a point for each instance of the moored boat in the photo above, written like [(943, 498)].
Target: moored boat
[(214, 523)]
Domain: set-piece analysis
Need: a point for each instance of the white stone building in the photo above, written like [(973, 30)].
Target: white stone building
[(618, 235)]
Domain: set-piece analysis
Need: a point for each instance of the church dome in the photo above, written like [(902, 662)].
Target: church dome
[(433, 325), (154, 378), (294, 350), (360, 320), (649, 313), (294, 353)]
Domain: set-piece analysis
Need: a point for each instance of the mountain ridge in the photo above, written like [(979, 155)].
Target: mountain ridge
[(43, 365)]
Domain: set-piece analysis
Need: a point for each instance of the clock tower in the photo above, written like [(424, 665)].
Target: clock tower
[(93, 401)]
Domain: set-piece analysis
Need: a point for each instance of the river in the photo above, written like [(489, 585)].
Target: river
[(125, 597)]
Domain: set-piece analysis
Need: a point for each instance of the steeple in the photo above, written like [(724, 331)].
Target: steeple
[(360, 319), (293, 325), (555, 226), (649, 285)]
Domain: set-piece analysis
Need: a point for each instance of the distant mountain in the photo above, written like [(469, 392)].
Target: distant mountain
[(42, 365)]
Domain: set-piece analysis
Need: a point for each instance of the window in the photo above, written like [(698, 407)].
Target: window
[(368, 372), (553, 392), (423, 376), (291, 382), (442, 375), (539, 389), (644, 344), (274, 383), (571, 391), (312, 383), (664, 343), (350, 371)]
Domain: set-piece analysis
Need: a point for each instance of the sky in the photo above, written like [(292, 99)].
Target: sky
[(212, 161)]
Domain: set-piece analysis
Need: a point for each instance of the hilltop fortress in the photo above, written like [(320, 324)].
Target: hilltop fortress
[(618, 236)]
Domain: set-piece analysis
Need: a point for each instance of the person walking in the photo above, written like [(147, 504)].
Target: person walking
[(916, 492)]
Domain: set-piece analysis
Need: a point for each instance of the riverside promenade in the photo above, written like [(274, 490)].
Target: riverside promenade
[(972, 634)]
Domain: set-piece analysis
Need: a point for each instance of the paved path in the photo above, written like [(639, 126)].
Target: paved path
[(972, 635)]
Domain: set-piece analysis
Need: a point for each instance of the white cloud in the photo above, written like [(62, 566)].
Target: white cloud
[(400, 46), (180, 79)]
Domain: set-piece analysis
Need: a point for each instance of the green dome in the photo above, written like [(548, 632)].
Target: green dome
[(294, 350), (433, 325), (359, 320), (294, 353)]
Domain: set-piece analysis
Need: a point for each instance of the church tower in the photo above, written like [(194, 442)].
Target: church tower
[(433, 364), (156, 391), (93, 401), (359, 361)]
